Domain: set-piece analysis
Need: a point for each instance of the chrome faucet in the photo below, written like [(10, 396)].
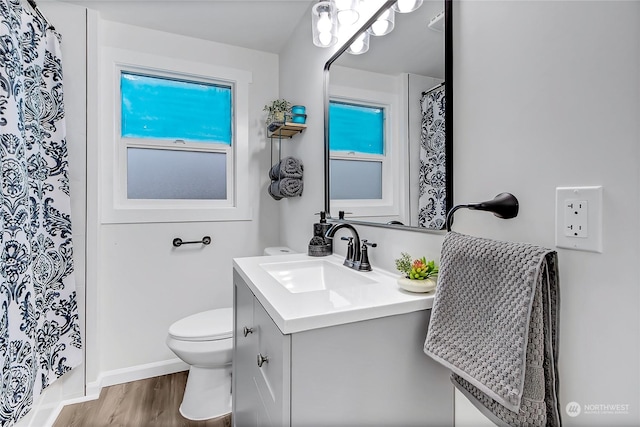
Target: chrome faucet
[(352, 261)]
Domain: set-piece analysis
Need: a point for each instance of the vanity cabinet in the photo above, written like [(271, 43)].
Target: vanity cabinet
[(370, 372), (260, 393)]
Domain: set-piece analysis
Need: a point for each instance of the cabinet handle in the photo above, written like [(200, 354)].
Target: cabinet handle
[(246, 331), (262, 359)]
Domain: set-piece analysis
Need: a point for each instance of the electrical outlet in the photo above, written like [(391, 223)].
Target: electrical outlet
[(579, 218), (576, 221)]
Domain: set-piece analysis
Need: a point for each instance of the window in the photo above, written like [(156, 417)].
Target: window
[(179, 138)]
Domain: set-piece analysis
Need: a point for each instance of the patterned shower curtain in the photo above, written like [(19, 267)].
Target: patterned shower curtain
[(39, 328), (432, 206)]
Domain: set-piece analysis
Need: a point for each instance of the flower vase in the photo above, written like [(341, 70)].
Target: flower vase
[(414, 285)]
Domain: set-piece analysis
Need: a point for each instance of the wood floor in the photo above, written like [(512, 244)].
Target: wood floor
[(151, 402)]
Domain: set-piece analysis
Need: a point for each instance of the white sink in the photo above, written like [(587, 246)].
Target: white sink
[(314, 275)]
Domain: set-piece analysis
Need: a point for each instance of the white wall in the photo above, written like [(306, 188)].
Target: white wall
[(558, 105), (546, 94), (143, 283)]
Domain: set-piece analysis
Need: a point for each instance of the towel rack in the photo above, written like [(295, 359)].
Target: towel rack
[(504, 205), (179, 242)]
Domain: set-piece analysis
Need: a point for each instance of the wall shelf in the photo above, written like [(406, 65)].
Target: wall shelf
[(280, 131), (285, 130)]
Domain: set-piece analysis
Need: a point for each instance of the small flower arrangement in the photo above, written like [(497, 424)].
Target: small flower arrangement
[(277, 110), (418, 269)]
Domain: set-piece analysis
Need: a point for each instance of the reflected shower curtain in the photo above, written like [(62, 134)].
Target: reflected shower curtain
[(432, 206), (39, 328)]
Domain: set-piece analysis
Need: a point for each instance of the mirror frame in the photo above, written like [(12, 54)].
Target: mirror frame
[(448, 90)]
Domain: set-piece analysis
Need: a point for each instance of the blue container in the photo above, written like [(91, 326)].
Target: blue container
[(298, 114)]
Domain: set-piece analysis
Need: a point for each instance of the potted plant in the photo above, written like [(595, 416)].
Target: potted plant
[(277, 110), (419, 275)]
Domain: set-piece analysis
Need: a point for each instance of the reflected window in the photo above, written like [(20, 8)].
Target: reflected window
[(364, 178), (356, 128), (357, 145)]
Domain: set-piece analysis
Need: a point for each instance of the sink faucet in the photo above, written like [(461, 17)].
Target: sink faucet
[(354, 260)]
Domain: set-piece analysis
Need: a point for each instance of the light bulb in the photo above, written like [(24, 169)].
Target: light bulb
[(357, 45), (379, 27), (406, 6), (384, 24), (325, 38), (324, 23), (360, 45), (348, 17)]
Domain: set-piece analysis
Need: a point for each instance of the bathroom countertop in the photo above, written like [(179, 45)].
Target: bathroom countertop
[(296, 312)]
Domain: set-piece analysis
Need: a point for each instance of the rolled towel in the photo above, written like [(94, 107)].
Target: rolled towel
[(289, 167), (274, 190), (290, 187)]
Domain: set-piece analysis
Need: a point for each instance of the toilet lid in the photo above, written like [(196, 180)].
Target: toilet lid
[(205, 326)]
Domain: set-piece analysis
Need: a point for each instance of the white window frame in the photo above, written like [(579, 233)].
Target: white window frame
[(117, 208), (390, 205)]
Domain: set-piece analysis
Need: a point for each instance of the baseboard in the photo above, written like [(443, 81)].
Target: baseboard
[(134, 373)]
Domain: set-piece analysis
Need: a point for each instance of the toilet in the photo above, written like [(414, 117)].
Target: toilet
[(205, 341)]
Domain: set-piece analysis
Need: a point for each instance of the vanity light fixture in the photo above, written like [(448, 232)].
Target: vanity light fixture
[(331, 17), (324, 24), (406, 6), (384, 24)]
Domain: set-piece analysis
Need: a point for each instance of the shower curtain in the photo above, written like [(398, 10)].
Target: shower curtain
[(39, 328), (432, 207)]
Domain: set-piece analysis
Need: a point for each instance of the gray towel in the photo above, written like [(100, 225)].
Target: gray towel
[(285, 187), (271, 188), (289, 167), (494, 324)]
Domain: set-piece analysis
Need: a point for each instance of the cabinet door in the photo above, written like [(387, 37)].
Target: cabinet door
[(246, 402), (273, 376)]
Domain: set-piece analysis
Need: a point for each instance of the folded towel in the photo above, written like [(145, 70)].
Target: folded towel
[(494, 323), (285, 187), (289, 167)]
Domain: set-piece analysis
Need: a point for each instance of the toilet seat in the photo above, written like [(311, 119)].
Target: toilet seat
[(208, 325)]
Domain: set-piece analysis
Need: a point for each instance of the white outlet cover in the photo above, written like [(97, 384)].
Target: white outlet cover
[(589, 217)]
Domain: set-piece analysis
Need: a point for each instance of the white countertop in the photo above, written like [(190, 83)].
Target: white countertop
[(296, 312)]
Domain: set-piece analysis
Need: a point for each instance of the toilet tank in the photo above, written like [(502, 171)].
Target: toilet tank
[(278, 250)]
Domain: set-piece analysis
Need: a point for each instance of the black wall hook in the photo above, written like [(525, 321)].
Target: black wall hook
[(504, 205)]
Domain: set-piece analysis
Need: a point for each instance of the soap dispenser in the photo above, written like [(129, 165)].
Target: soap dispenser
[(320, 245)]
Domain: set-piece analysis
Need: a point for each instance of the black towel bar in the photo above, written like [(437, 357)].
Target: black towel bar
[(178, 241), (504, 205)]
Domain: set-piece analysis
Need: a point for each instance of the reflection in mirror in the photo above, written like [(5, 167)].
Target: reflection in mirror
[(386, 126)]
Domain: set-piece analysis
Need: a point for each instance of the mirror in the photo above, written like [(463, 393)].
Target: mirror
[(388, 131)]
